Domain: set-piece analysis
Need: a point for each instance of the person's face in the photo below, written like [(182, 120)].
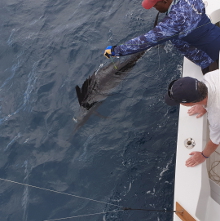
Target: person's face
[(163, 6)]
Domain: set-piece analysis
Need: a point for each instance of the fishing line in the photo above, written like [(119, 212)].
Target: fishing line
[(158, 47), (113, 211), (121, 209), (85, 215), (113, 63), (152, 210), (58, 192)]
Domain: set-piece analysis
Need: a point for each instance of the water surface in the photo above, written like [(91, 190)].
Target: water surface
[(126, 158)]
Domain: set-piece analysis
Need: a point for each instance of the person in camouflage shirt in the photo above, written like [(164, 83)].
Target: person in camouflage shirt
[(186, 25)]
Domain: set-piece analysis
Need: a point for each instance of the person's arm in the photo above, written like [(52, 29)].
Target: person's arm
[(180, 21), (193, 54), (200, 157), (164, 31)]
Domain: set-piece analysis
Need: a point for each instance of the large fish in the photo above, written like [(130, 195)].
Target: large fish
[(96, 88)]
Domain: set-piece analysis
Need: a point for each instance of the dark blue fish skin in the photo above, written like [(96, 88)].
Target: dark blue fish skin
[(97, 87)]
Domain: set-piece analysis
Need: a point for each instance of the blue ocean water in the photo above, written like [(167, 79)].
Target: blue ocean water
[(126, 157)]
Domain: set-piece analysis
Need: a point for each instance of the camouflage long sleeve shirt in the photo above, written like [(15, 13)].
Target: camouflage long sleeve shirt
[(183, 18)]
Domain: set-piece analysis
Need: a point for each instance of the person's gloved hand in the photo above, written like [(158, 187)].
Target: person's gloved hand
[(109, 51)]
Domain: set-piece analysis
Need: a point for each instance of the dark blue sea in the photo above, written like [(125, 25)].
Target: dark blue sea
[(124, 156)]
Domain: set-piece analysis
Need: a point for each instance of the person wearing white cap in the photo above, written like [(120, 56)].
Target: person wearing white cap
[(186, 25), (204, 97)]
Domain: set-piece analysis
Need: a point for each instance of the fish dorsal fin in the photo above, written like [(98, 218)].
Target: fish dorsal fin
[(84, 91)]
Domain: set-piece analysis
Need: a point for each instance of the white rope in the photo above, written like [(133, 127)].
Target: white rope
[(158, 50), (54, 191)]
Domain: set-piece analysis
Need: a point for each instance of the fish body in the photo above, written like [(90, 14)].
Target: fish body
[(97, 87)]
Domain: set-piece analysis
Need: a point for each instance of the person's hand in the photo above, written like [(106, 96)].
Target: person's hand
[(197, 109), (195, 159), (109, 51)]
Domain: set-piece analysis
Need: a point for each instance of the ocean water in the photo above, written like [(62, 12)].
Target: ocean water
[(122, 157)]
